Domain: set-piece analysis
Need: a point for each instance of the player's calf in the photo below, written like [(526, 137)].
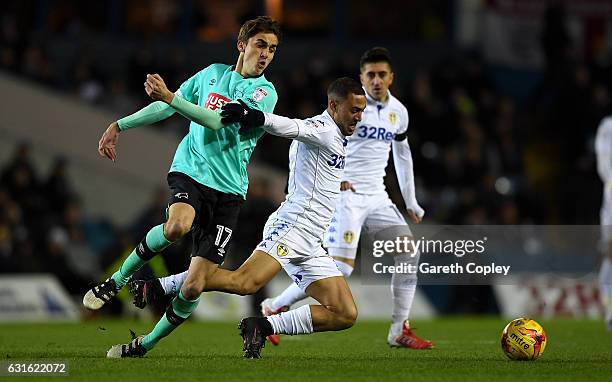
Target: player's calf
[(152, 244), (348, 317), (337, 310), (247, 287), (338, 318)]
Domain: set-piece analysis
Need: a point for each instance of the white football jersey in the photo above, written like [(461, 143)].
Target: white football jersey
[(603, 149), (316, 166), (368, 148)]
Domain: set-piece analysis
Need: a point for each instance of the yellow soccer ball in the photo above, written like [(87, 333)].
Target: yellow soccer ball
[(523, 339)]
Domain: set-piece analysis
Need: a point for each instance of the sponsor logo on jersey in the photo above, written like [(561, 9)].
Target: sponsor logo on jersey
[(181, 195), (216, 101), (259, 94), (372, 132), (282, 250), (392, 118), (314, 124), (212, 82), (349, 236)]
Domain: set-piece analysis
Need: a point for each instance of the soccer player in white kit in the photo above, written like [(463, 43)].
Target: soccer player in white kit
[(293, 235), (364, 202), (603, 149)]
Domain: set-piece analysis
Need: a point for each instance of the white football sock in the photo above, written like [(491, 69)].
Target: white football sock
[(396, 329), (403, 287), (605, 287), (605, 281), (172, 284), (288, 297), (295, 321)]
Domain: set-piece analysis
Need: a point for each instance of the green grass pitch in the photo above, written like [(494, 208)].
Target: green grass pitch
[(467, 349)]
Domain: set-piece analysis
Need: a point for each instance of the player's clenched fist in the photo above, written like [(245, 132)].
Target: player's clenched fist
[(108, 143), (239, 112), (156, 88), (415, 212), (345, 185)]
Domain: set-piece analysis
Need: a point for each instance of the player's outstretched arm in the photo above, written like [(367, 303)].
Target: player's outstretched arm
[(250, 118), (156, 89), (302, 130), (154, 112), (402, 158)]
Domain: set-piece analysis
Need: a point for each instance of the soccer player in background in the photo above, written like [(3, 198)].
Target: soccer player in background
[(363, 202), (603, 150), (208, 178), (293, 235)]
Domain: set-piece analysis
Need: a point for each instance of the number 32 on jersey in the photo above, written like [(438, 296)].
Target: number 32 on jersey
[(336, 161)]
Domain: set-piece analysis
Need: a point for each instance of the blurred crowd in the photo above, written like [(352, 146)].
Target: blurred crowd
[(480, 155), (44, 228)]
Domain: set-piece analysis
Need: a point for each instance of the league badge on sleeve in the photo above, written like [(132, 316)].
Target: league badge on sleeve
[(314, 123), (259, 94)]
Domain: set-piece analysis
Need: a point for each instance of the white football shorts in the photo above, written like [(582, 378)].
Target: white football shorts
[(300, 253), (356, 211)]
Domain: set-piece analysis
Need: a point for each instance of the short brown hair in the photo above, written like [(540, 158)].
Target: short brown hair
[(265, 24), (342, 87)]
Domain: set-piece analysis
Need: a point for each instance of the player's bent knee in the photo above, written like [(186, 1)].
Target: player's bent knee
[(174, 230), (345, 321), (346, 317), (349, 316), (192, 289)]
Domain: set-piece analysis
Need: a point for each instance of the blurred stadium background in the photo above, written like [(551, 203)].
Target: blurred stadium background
[(504, 100)]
